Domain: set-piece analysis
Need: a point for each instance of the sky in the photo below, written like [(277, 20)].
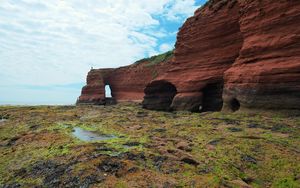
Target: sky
[(47, 47)]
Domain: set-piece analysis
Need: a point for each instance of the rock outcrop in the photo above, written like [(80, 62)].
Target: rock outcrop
[(126, 83), (251, 48), (207, 45), (267, 72), (231, 55), (94, 90)]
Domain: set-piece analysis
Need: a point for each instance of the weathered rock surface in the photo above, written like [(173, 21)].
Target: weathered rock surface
[(126, 83), (252, 48), (231, 55), (94, 91), (207, 45), (267, 72)]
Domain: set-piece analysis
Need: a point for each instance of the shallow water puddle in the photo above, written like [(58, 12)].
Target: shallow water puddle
[(89, 135), (3, 120)]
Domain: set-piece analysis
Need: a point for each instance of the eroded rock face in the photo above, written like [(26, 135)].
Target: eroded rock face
[(94, 92), (267, 72), (207, 45), (231, 55), (126, 83), (252, 48)]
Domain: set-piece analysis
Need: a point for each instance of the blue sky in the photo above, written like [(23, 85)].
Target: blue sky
[(48, 46)]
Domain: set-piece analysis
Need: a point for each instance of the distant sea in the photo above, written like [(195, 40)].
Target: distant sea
[(14, 103)]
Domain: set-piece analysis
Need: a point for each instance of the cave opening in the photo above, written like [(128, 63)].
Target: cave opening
[(109, 96), (234, 104), (212, 97), (108, 93), (159, 95)]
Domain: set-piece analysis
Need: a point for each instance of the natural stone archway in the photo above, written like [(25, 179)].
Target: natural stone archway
[(108, 92), (159, 95), (127, 83), (212, 97), (109, 95), (93, 92)]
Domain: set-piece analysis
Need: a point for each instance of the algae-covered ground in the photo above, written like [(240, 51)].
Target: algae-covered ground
[(147, 148)]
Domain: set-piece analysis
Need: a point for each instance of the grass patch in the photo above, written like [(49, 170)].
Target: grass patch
[(156, 59)]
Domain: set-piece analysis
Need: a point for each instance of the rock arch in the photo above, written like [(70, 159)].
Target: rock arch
[(108, 91), (109, 94), (159, 95)]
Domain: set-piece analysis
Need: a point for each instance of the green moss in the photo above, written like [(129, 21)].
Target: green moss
[(274, 150), (121, 184), (11, 130), (287, 183), (156, 59), (61, 150)]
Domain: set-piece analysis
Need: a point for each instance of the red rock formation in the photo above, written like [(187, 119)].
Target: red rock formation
[(207, 45), (94, 92), (267, 72), (257, 43), (126, 83), (251, 48)]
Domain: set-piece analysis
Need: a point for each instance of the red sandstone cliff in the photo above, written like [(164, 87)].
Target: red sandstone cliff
[(230, 54), (126, 83), (251, 47), (267, 72), (207, 45)]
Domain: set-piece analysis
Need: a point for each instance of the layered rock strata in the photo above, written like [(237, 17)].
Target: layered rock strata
[(126, 83), (231, 55), (267, 72), (207, 45), (252, 48)]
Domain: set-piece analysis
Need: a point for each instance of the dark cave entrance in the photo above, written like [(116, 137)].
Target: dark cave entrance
[(212, 97), (234, 104), (159, 95)]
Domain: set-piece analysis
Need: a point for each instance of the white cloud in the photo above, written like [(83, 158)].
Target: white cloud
[(180, 8), (165, 47), (56, 42)]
